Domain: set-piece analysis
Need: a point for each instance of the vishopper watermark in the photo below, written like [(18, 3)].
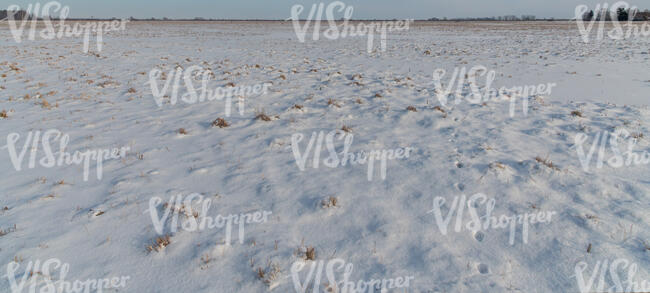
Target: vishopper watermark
[(614, 14), (487, 221), (61, 29), (340, 284), (618, 159), (198, 220), (333, 160), (60, 158), (468, 87), (191, 96), (335, 31), (600, 272), (46, 270)]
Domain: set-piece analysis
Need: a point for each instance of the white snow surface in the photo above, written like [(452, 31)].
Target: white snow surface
[(383, 227)]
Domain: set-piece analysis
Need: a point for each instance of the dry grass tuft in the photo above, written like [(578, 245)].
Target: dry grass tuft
[(498, 165), (330, 202), (220, 122), (261, 273), (159, 244), (270, 275), (205, 261), (131, 91), (486, 147), (9, 230), (441, 110), (346, 129), (411, 108), (332, 102), (3, 114), (262, 116), (107, 83), (296, 106), (310, 253), (3, 232), (547, 163), (45, 104)]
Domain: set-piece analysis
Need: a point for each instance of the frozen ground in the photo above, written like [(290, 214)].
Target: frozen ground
[(382, 227)]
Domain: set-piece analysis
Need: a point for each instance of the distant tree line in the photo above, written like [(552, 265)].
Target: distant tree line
[(493, 18), (19, 15), (22, 14), (621, 14)]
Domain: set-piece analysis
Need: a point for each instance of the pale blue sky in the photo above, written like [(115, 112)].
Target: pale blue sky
[(280, 9)]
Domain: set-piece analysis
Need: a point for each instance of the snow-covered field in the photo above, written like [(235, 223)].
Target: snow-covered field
[(328, 214)]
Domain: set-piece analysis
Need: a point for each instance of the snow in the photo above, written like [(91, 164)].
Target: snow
[(383, 227)]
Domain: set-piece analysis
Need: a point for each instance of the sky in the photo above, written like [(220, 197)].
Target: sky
[(281, 9)]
